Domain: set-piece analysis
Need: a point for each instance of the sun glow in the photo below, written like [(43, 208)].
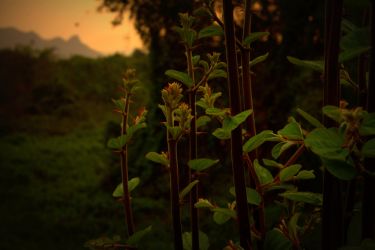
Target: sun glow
[(64, 19)]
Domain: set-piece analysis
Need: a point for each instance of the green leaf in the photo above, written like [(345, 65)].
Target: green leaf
[(216, 112), (230, 123), (187, 241), (222, 134), (293, 225), (357, 38), (212, 30), (203, 203), (222, 215), (120, 104), (132, 184), (276, 240), (214, 97), (253, 197), (272, 163), (187, 189), (327, 143), (118, 143), (134, 239), (254, 36), (313, 121), (258, 59), (196, 59), (292, 131), (201, 164), (281, 186), (220, 218), (368, 149), (352, 53), (158, 158), (264, 175), (307, 197), (221, 65), (305, 175), (132, 129), (279, 148), (204, 64), (201, 103), (189, 36), (288, 172), (180, 76), (202, 121), (314, 65), (203, 241), (174, 131), (347, 26), (342, 170), (257, 140), (333, 112), (368, 125), (217, 73)]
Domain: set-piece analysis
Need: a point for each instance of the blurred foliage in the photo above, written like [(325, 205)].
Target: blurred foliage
[(57, 172), (57, 175)]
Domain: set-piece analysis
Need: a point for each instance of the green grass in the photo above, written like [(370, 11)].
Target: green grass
[(56, 191)]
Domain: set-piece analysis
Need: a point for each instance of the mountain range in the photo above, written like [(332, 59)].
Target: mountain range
[(11, 37)]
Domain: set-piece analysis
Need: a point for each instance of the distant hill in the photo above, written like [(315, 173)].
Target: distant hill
[(11, 37)]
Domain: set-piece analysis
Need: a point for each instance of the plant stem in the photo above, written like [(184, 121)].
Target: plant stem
[(193, 155), (361, 80), (174, 185), (174, 182), (246, 76), (368, 203), (124, 171), (295, 156), (236, 135), (332, 228), (260, 216)]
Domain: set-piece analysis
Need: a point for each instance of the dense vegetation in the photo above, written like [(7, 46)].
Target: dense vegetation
[(57, 173), (263, 187)]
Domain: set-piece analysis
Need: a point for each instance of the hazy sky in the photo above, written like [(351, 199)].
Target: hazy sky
[(64, 18)]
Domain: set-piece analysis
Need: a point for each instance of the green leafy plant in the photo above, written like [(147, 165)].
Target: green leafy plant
[(270, 207), (120, 145)]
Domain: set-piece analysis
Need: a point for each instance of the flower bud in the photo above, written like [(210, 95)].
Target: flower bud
[(172, 94)]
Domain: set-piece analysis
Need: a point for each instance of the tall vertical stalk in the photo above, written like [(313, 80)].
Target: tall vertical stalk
[(368, 203), (174, 184), (193, 154), (332, 236), (246, 76), (124, 170), (258, 213), (171, 96), (236, 136)]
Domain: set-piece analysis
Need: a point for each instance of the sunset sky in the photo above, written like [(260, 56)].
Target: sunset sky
[(65, 18)]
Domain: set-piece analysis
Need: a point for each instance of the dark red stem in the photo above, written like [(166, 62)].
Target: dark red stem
[(193, 155), (368, 220), (175, 200), (332, 215), (124, 172), (236, 139)]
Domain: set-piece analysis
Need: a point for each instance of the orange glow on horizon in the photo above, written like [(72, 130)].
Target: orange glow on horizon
[(65, 18)]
